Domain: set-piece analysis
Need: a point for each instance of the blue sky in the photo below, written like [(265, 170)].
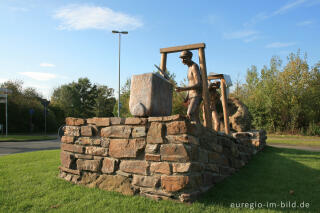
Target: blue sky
[(50, 43)]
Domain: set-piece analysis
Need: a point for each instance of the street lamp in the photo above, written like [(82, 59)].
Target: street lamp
[(119, 32)]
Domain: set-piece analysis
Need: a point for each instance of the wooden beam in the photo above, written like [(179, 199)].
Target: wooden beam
[(214, 77), (225, 107), (181, 48), (205, 92), (163, 62)]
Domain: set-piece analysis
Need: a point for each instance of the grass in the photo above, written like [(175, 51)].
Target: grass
[(294, 140), (29, 183), (19, 138)]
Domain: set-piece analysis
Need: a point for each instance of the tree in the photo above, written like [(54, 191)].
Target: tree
[(84, 99)]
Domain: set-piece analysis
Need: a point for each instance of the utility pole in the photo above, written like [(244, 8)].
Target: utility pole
[(119, 32)]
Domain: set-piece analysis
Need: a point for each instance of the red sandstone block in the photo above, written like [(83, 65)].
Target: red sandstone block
[(74, 121), (72, 148), (88, 165), (174, 152), (135, 121), (117, 120), (67, 159), (126, 148), (86, 131), (99, 121), (116, 131), (145, 181), (72, 131), (161, 167), (136, 167), (174, 183), (72, 171), (155, 133), (152, 157), (108, 165), (177, 127)]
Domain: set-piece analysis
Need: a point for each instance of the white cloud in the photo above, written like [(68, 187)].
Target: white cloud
[(279, 44), (81, 17), (263, 15), (288, 6), (304, 23), (240, 34), (40, 76), (44, 64)]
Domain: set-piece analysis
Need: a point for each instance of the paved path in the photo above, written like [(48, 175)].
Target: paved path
[(29, 146), (306, 148)]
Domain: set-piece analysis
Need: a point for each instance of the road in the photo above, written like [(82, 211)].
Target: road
[(7, 148)]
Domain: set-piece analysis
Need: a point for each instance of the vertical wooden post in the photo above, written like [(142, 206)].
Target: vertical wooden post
[(163, 63), (205, 92), (225, 107)]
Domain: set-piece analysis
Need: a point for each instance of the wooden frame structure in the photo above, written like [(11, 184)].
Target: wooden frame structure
[(224, 100), (203, 70)]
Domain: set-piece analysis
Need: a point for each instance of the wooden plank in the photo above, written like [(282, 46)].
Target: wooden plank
[(181, 48), (225, 107), (214, 77), (205, 92), (163, 62)]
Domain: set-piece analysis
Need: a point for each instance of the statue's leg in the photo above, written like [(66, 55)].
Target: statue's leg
[(193, 109)]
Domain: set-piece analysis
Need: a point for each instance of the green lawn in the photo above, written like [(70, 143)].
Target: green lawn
[(29, 183), (14, 138), (294, 140)]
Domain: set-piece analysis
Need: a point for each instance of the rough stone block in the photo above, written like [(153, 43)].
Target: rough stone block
[(116, 183), (151, 148), (151, 95), (67, 139), (126, 148), (72, 131), (72, 148), (174, 183), (72, 171), (139, 131), (67, 159), (99, 121), (145, 181), (86, 131), (155, 133), (161, 167), (181, 167), (152, 157), (135, 121), (116, 131), (182, 139), (117, 120), (174, 152), (136, 167), (81, 156), (108, 165), (88, 165), (74, 121), (93, 150), (177, 127)]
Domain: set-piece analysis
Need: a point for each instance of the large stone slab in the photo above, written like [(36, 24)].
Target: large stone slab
[(150, 95)]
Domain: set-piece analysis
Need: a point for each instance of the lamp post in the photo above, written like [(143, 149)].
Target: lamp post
[(119, 32)]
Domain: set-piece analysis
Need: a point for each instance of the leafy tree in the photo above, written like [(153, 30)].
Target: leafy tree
[(83, 99)]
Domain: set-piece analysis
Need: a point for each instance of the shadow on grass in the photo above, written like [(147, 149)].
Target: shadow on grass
[(268, 178)]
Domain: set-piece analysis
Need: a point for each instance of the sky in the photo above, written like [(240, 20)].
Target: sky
[(50, 43)]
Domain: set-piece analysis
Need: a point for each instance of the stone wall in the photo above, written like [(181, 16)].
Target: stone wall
[(158, 157)]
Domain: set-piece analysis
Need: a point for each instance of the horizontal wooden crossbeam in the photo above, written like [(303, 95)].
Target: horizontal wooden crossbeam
[(181, 48)]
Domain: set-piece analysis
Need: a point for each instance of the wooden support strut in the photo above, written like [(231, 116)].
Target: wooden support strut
[(225, 107), (163, 62), (205, 92)]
